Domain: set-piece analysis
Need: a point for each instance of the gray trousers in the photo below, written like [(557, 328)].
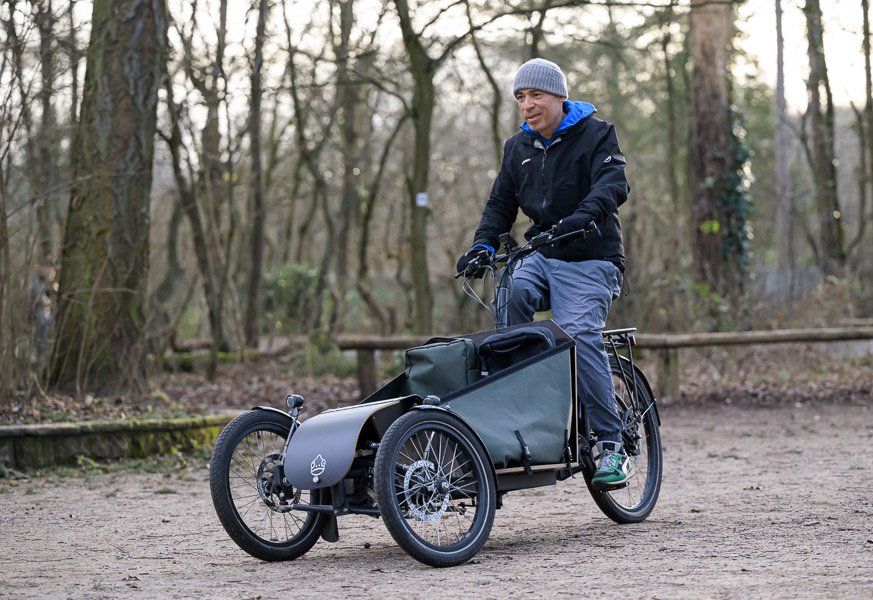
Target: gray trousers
[(579, 294)]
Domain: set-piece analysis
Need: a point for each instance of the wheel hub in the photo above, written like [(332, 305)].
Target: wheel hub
[(270, 488)]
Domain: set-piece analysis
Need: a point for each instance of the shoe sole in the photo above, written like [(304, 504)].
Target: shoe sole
[(612, 488), (609, 486)]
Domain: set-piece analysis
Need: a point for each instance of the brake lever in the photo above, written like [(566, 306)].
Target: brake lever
[(542, 239), (589, 229), (473, 266)]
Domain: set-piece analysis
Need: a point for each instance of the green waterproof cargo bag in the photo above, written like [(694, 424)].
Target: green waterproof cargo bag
[(441, 366), (533, 403)]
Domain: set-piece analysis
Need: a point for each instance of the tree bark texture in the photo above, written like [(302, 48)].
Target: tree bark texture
[(852, 257), (75, 54), (350, 104), (7, 357), (253, 304), (820, 119), (189, 205), (867, 166), (99, 343), (784, 200), (711, 26), (423, 103), (46, 175), (205, 201)]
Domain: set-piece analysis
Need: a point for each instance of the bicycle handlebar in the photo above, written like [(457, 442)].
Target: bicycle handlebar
[(546, 238)]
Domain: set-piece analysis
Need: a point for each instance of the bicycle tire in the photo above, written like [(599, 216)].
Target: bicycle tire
[(245, 496), (634, 502), (435, 488)]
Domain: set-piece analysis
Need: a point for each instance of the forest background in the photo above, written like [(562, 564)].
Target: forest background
[(206, 171)]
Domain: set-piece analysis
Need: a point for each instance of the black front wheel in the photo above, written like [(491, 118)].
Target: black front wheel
[(256, 509), (435, 487), (641, 439)]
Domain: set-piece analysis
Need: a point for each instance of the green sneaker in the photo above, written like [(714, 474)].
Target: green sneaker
[(614, 469)]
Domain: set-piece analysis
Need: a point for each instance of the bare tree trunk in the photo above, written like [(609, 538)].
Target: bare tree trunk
[(672, 131), (535, 32), (75, 56), (349, 104), (862, 185), (99, 343), (215, 177), (496, 97), (253, 305), (296, 181), (303, 249), (7, 349), (867, 123), (678, 207), (364, 285), (206, 200), (310, 153), (310, 157), (711, 26), (18, 76), (160, 327), (274, 139), (423, 102), (820, 115), (45, 164), (784, 201), (189, 205)]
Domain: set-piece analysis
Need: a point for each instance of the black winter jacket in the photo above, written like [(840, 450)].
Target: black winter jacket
[(582, 171)]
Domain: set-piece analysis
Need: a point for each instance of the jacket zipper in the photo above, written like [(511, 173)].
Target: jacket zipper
[(543, 168)]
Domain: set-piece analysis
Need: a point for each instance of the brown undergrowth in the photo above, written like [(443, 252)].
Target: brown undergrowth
[(794, 373)]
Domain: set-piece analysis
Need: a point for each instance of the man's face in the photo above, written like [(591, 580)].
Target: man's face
[(542, 111)]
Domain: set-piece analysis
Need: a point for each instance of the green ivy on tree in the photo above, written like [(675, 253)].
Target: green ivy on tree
[(735, 201)]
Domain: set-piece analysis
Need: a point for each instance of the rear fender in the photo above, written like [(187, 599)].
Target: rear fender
[(641, 377), (638, 376)]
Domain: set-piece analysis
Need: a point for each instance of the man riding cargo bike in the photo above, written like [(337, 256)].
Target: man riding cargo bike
[(564, 170), (471, 418)]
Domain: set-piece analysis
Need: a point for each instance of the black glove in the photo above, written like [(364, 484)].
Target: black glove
[(482, 254), (575, 223)]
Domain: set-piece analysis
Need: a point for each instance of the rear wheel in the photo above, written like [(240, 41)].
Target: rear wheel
[(641, 439), (435, 488), (249, 498)]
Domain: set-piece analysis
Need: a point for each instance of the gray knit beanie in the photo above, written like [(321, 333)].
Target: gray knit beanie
[(540, 74)]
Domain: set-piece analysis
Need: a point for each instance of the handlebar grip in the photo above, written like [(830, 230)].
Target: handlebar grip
[(472, 267)]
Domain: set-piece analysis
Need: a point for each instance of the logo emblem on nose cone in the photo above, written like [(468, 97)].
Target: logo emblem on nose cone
[(316, 467)]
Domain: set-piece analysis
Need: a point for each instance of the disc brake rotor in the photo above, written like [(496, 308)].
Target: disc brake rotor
[(268, 486), (426, 496)]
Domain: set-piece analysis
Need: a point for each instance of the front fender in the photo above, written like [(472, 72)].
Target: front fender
[(321, 451), (275, 410)]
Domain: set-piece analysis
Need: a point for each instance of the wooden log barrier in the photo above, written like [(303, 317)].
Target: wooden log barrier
[(667, 344)]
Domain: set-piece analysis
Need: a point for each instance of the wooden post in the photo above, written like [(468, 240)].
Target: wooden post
[(366, 371), (668, 375)]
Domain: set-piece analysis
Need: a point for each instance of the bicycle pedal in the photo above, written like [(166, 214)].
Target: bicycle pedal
[(612, 488)]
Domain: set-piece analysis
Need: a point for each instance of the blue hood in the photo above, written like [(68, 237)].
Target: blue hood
[(574, 111)]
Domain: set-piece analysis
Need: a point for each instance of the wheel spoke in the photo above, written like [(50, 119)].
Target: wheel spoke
[(430, 498)]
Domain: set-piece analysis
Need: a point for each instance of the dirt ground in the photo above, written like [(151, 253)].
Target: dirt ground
[(756, 502)]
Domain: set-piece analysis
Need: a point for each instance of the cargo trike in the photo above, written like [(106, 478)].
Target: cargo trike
[(434, 451)]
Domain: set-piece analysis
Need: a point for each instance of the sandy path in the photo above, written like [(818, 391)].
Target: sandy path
[(756, 503)]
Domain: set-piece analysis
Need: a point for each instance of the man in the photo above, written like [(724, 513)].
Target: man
[(564, 169)]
